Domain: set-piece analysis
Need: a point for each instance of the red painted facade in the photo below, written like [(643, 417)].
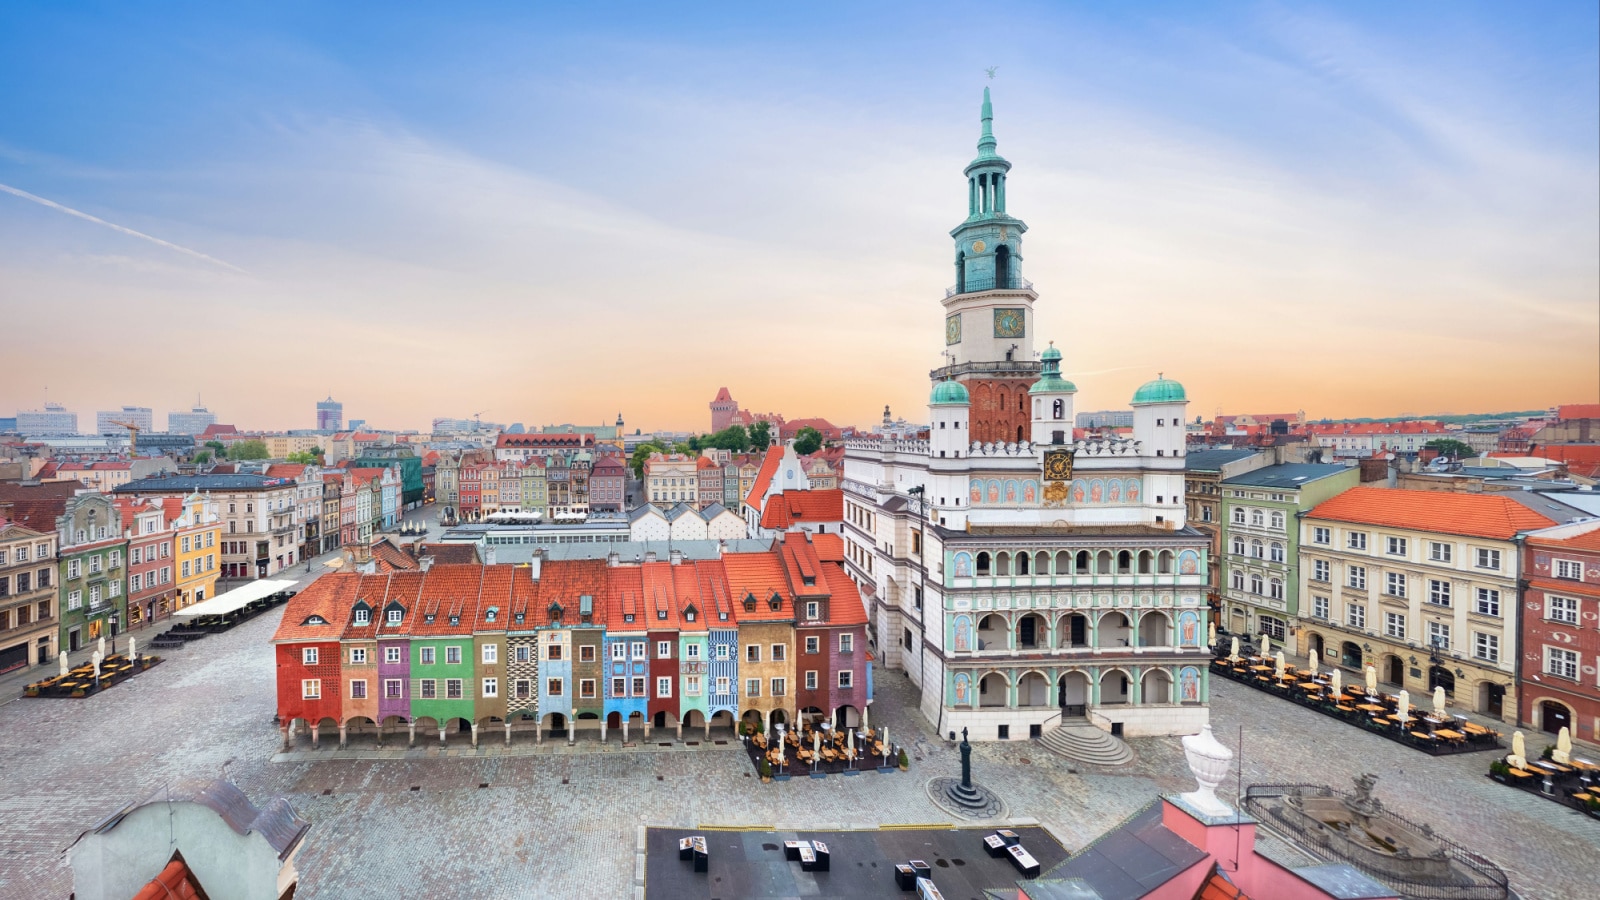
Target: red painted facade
[(1561, 632), (293, 672), (999, 412)]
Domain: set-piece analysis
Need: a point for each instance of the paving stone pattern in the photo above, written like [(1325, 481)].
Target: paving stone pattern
[(563, 823)]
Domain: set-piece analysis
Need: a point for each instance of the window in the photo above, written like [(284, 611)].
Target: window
[(1356, 616), (691, 651), (619, 652), (1277, 520), (1438, 592), (358, 689), (1275, 589), (778, 687), (777, 652), (691, 685), (1319, 607), (812, 608), (1488, 559), (308, 656), (452, 656), (1236, 579), (1258, 550), (391, 655), (427, 656), (724, 686), (429, 688), (1276, 553), (1395, 584), (1319, 570), (1358, 577), (1320, 535), (394, 616), (1256, 584), (663, 649), (1238, 515), (74, 568), (724, 651), (1561, 609), (845, 678), (1569, 569), (452, 689), (491, 655), (1394, 625), (619, 687), (752, 653), (552, 651), (1438, 551), (363, 616), (1238, 546), (811, 679), (1439, 635), (847, 643), (1561, 663), (1272, 626), (74, 599), (491, 687), (1357, 540), (638, 649), (1488, 602), (311, 689), (813, 644), (391, 688), (135, 583), (358, 656), (663, 686), (752, 687), (1396, 546), (585, 688), (1486, 646)]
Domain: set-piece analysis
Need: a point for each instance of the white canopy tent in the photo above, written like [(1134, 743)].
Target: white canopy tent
[(236, 599)]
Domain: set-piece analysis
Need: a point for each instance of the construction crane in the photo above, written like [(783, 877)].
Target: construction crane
[(133, 436), (477, 420)]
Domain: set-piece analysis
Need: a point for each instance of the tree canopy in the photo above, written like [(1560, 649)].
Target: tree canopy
[(760, 436), (807, 440), (248, 450), (640, 454), (307, 457), (1450, 447)]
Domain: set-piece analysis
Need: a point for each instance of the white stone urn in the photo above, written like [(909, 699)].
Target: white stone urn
[(1209, 761)]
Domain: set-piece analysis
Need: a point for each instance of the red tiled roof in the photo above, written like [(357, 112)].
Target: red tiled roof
[(625, 598), (329, 599), (1578, 411), (1587, 540), (448, 592), (175, 882), (1476, 515), (788, 508), (1218, 887), (707, 462), (389, 557), (844, 605), (760, 574), (285, 470), (566, 582), (451, 553), (769, 468), (829, 547)]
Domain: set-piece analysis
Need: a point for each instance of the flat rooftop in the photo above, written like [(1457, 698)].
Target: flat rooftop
[(749, 865)]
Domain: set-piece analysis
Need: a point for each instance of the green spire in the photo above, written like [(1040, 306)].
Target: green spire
[(986, 142)]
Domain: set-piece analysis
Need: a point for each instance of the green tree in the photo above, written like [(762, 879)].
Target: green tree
[(307, 457), (218, 449), (695, 443), (640, 454), (204, 456), (760, 436), (1450, 447), (734, 438), (807, 440), (248, 450)]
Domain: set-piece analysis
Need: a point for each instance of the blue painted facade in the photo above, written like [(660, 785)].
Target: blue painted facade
[(723, 667), (627, 658)]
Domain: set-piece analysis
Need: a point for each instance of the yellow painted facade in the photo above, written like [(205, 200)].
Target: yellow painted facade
[(196, 551)]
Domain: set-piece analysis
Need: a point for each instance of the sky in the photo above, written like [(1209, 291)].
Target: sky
[(548, 213)]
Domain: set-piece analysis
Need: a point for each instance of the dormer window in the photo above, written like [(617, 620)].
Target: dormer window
[(518, 617), (749, 603), (627, 617), (492, 614), (555, 611), (776, 602), (689, 613), (363, 616), (427, 618), (661, 614), (722, 616), (808, 580), (394, 616), (315, 620), (811, 609), (455, 620)]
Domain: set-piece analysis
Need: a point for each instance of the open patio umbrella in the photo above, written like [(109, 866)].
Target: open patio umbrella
[(1563, 751), (1519, 750), (1372, 680), (1438, 701), (1279, 663), (1338, 684), (1233, 649), (1403, 708), (62, 658)]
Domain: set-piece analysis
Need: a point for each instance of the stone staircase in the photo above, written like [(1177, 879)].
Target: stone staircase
[(1080, 741)]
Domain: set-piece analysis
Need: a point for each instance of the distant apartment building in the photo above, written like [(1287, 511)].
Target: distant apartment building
[(140, 417), (1560, 644), (1105, 418), (28, 635), (330, 415), (670, 479), (260, 530), (195, 421), (54, 419)]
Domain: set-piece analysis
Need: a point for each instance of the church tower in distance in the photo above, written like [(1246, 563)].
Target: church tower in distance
[(988, 326)]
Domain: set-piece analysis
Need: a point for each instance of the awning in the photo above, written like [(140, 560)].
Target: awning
[(236, 599)]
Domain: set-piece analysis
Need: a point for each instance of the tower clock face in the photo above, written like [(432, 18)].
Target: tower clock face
[(1058, 465), (979, 246), (1010, 323), (952, 329)]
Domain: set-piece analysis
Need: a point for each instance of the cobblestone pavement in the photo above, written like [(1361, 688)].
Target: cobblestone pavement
[(563, 824)]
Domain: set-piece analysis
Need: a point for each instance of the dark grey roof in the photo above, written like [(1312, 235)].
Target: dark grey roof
[(1213, 460), (188, 483), (631, 551), (277, 822), (1344, 882), (1132, 859), (679, 511), (1056, 889), (712, 511), (640, 512), (1548, 506), (1288, 476)]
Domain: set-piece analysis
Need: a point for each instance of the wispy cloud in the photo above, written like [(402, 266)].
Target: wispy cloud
[(119, 228)]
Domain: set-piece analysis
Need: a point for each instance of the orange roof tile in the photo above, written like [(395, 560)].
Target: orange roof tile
[(761, 575), (1578, 411), (845, 606), (788, 508), (175, 882), (829, 547), (1587, 540), (769, 468), (318, 613), (1475, 515), (566, 582)]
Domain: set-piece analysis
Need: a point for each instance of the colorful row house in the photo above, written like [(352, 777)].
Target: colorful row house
[(579, 648)]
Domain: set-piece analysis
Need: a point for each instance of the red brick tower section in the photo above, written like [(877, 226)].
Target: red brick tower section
[(722, 410), (1000, 411)]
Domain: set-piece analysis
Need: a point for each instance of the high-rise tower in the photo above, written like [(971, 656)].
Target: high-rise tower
[(988, 326), (330, 415)]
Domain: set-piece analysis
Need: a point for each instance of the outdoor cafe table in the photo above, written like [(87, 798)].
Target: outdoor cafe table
[(1370, 707), (1449, 734)]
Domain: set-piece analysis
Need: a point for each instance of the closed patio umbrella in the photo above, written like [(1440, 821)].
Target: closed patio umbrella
[(133, 649), (1211, 635), (851, 741), (102, 647), (1338, 684), (1563, 751), (1519, 750), (1372, 680), (96, 660), (865, 710), (62, 658), (1280, 666), (1403, 708), (1233, 649), (1311, 665), (1438, 701), (1266, 644)]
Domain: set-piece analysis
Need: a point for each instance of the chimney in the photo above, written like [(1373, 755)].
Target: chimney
[(488, 554), (613, 559), (677, 556), (425, 563), (649, 556)]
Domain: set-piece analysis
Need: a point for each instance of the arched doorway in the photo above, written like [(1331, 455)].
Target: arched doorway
[(1554, 716), (1439, 676), (1156, 687), (1072, 694), (992, 690), (992, 632), (1350, 655), (1030, 629), (1033, 690), (1002, 267), (1491, 698), (1314, 646), (1394, 669), (961, 273), (1114, 687)]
